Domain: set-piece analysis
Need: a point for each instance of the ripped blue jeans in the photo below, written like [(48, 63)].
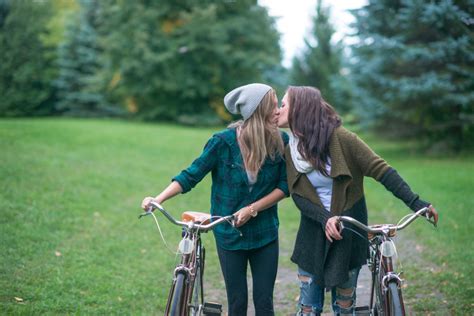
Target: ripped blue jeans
[(312, 295)]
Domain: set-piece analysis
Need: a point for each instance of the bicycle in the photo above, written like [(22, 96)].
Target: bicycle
[(186, 295), (386, 295)]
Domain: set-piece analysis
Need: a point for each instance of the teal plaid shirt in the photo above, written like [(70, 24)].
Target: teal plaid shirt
[(231, 191)]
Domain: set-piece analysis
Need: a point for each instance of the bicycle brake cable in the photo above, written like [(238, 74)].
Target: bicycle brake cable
[(235, 228), (161, 233), (356, 232)]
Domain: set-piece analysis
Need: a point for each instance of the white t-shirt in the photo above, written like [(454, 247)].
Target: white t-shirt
[(322, 185)]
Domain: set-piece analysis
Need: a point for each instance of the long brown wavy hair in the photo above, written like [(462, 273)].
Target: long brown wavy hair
[(259, 136), (313, 121)]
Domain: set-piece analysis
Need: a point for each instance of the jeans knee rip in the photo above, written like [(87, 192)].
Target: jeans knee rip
[(304, 279), (302, 312), (345, 296)]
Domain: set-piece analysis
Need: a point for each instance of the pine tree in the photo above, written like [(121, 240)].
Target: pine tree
[(320, 63), (26, 61), (80, 89), (414, 69)]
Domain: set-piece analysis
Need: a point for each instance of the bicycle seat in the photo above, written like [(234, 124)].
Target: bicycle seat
[(196, 217)]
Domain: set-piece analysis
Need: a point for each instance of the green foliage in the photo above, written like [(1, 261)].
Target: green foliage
[(163, 60), (414, 69), (180, 58), (80, 88), (320, 63), (26, 61)]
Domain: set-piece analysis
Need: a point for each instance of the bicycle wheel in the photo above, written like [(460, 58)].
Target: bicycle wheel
[(379, 306), (196, 302), (394, 300), (176, 308)]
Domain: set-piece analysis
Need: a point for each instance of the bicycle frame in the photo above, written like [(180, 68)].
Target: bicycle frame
[(186, 295), (191, 266), (386, 295), (381, 268)]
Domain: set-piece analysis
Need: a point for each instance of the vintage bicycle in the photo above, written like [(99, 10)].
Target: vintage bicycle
[(186, 295), (386, 286)]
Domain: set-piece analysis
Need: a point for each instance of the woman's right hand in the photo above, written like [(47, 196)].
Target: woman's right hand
[(146, 201), (333, 229)]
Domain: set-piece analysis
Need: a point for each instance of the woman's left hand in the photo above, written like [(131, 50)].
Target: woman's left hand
[(242, 216), (433, 215), (333, 229)]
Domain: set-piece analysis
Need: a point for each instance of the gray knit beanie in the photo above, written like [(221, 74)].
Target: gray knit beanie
[(245, 99)]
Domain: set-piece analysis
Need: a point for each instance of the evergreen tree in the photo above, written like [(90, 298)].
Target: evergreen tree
[(414, 69), (26, 61), (175, 60), (320, 63), (80, 89)]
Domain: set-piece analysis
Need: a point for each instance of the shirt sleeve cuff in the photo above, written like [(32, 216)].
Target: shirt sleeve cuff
[(183, 182), (284, 187), (418, 204)]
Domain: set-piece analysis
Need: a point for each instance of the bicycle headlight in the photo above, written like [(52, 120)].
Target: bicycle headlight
[(185, 246), (388, 248)]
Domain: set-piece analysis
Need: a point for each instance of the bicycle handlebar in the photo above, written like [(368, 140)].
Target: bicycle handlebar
[(384, 229), (153, 206)]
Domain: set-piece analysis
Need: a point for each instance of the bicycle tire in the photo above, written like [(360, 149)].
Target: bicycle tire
[(177, 299), (197, 295), (394, 298), (196, 303), (379, 308)]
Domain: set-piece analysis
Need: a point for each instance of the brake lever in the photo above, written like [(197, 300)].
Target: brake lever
[(341, 226), (428, 218), (144, 214), (232, 223)]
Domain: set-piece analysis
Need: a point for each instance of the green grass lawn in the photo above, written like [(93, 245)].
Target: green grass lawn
[(71, 242)]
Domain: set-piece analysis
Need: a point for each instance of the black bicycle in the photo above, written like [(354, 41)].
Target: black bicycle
[(386, 294), (186, 295)]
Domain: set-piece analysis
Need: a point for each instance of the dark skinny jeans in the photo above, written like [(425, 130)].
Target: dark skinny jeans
[(263, 264)]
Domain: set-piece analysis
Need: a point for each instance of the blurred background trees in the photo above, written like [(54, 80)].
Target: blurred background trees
[(79, 85), (176, 60), (413, 69), (408, 73), (320, 61), (26, 59)]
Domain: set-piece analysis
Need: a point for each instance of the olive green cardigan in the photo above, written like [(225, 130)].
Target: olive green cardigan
[(351, 161)]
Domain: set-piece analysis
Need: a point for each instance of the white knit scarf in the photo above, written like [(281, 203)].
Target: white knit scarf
[(302, 165)]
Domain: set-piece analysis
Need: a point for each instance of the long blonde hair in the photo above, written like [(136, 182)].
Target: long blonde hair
[(259, 136)]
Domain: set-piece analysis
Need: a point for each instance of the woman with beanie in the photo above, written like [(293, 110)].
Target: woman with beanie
[(326, 166), (248, 179)]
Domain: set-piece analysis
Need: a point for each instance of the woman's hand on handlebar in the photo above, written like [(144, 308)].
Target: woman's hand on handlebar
[(333, 229), (146, 202), (242, 216), (432, 214)]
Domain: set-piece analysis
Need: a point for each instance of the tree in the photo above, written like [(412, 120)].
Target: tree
[(80, 88), (177, 60), (26, 61), (413, 67), (320, 63)]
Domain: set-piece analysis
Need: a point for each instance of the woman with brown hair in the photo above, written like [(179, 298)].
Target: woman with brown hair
[(248, 179), (326, 166)]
